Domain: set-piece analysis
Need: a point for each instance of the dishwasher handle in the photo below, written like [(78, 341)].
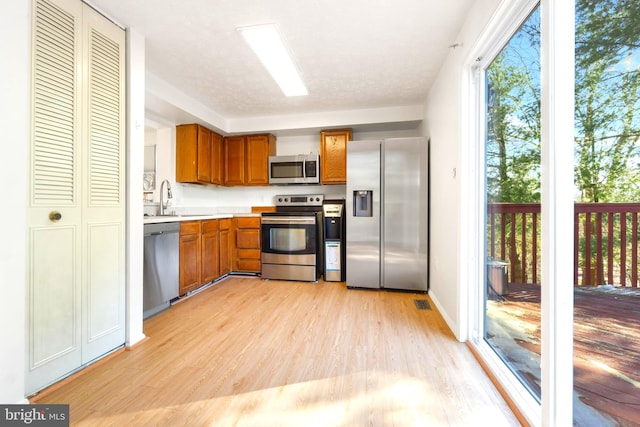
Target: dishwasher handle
[(161, 228)]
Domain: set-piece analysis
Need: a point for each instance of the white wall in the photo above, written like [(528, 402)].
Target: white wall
[(135, 166), (444, 124), (14, 121)]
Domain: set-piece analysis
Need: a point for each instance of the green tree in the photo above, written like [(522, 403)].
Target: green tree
[(607, 142), (512, 151), (513, 118), (607, 100)]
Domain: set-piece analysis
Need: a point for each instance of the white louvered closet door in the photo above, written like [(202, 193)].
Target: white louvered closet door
[(103, 181), (75, 293)]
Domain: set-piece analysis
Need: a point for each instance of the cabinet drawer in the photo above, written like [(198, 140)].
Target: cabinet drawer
[(189, 227), (249, 265), (248, 239), (248, 254), (224, 223), (209, 226), (248, 222)]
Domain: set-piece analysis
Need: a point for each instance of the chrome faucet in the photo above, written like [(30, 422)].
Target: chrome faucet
[(169, 195)]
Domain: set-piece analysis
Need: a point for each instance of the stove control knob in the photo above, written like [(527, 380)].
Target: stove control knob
[(279, 199)]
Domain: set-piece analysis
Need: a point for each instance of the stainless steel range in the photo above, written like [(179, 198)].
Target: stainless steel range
[(292, 238)]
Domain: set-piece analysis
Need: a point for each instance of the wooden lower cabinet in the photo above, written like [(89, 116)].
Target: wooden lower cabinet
[(225, 246), (212, 248), (247, 245), (204, 252), (210, 267), (190, 256)]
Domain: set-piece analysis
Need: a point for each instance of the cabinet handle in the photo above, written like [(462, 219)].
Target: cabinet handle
[(55, 216)]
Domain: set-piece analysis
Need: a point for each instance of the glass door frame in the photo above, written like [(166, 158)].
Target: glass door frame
[(557, 112)]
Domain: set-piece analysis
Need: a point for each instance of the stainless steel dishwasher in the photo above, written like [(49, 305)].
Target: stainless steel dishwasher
[(161, 266)]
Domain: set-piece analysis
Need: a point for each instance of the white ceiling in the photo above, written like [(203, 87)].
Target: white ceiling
[(354, 55)]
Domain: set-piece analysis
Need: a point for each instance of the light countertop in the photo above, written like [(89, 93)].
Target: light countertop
[(178, 218)]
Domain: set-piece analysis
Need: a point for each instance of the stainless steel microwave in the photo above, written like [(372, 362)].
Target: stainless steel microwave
[(298, 169)]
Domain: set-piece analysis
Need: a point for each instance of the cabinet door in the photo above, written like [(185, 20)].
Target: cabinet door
[(333, 156), (247, 222), (210, 251), (186, 153), (204, 155), (225, 251), (248, 239), (193, 154), (249, 265), (259, 148), (189, 262), (190, 256), (234, 155), (217, 159)]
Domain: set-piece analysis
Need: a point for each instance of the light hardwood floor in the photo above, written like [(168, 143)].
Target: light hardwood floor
[(248, 352)]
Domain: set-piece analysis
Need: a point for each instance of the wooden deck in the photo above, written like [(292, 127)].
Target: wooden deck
[(606, 345)]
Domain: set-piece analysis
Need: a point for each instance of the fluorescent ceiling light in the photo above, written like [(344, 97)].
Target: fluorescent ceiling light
[(267, 44)]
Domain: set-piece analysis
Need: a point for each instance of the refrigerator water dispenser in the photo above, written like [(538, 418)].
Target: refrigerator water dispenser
[(362, 203)]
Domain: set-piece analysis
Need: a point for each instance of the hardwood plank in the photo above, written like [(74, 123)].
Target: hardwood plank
[(248, 352)]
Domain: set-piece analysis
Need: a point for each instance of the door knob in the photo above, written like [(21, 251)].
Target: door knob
[(55, 216)]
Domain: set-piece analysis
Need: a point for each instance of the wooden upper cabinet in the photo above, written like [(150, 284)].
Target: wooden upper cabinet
[(259, 148), (234, 159), (193, 154), (204, 155), (333, 155), (217, 159), (247, 159)]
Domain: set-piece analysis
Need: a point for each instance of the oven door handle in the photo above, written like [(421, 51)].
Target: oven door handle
[(289, 220)]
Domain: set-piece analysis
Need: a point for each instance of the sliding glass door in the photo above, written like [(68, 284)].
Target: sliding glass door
[(512, 211), (520, 263), (557, 197)]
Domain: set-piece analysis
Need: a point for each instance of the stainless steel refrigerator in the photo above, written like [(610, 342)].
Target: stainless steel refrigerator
[(387, 214)]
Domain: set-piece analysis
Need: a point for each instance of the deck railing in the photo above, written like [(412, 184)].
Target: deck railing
[(605, 239)]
